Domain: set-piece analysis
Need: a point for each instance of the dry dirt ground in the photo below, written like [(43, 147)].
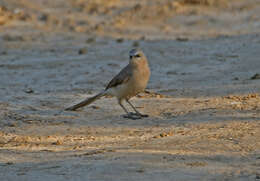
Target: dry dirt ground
[(203, 97)]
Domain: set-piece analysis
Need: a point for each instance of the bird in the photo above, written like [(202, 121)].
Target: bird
[(129, 82)]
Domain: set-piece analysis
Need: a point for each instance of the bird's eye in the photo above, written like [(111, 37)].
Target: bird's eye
[(131, 56), (137, 55)]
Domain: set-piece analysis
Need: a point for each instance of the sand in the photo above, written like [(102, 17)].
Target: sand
[(203, 97)]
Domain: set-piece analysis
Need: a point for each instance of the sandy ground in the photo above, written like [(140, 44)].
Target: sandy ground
[(203, 97)]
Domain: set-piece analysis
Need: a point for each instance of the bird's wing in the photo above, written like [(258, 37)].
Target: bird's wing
[(122, 77)]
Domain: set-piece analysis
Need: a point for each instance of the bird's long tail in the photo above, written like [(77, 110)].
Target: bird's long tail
[(86, 102)]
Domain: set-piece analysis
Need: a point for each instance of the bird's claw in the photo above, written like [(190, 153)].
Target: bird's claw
[(144, 115), (139, 114), (132, 116), (135, 116)]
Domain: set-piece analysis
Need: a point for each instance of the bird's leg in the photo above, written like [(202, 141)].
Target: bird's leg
[(128, 114), (136, 111), (120, 103)]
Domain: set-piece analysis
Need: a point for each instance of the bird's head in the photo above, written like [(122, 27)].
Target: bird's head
[(136, 55)]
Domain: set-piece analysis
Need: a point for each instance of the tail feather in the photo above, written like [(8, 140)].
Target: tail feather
[(85, 102)]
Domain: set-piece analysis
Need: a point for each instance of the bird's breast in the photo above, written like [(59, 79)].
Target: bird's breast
[(141, 77)]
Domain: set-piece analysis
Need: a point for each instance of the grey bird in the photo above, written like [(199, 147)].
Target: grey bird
[(129, 82)]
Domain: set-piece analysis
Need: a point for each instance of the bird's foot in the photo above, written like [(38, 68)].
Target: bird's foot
[(144, 115), (135, 116), (139, 114), (132, 116)]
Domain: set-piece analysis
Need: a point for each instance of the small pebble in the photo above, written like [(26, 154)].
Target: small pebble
[(43, 17), (58, 142), (95, 107), (82, 51), (29, 91), (182, 39), (90, 40), (120, 40), (135, 44)]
